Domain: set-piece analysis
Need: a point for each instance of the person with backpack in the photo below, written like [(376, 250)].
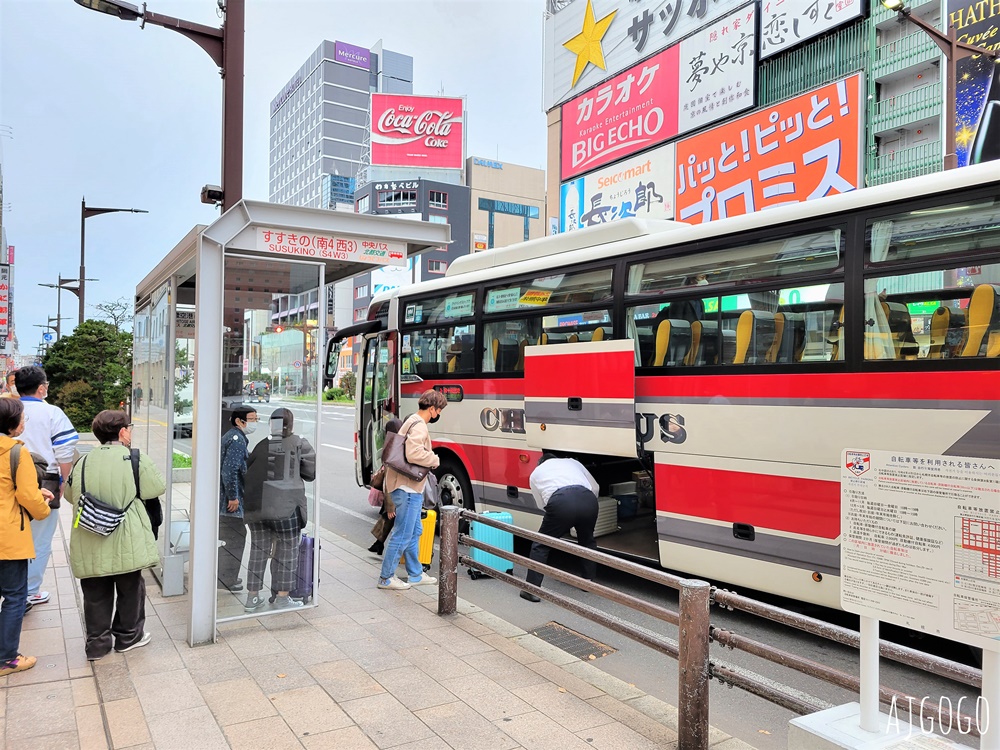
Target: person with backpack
[(276, 510), (109, 483), (21, 501)]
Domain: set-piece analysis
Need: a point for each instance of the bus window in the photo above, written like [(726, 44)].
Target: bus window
[(441, 351), (575, 327), (505, 342), (942, 314), (561, 289), (944, 230)]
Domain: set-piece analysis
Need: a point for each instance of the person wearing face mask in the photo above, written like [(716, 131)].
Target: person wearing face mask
[(232, 527), (20, 501), (690, 309), (52, 439), (110, 567), (11, 390)]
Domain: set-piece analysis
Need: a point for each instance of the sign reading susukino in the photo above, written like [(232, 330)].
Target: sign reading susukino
[(331, 247)]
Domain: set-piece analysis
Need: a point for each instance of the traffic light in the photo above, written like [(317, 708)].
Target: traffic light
[(279, 329)]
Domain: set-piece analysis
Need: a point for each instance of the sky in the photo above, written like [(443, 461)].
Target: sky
[(95, 107)]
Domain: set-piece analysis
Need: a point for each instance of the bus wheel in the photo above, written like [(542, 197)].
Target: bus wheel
[(455, 488)]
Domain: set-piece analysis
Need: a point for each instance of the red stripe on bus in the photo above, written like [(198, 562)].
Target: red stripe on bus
[(585, 375), (887, 386), (478, 387), (800, 506)]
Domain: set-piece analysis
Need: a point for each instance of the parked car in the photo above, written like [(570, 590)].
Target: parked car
[(258, 390)]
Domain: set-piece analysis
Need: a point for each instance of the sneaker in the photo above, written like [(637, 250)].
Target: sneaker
[(233, 588), (40, 598), (286, 602), (424, 580), (254, 602), (18, 664), (392, 583), (146, 638)]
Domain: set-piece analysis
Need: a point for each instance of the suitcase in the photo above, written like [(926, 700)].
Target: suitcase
[(304, 572), (426, 549), (488, 535)]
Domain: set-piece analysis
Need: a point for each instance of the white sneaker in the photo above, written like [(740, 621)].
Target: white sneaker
[(393, 583), (40, 598), (286, 602), (146, 638), (425, 580)]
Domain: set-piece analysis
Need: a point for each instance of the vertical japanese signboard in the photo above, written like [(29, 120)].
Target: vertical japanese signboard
[(4, 299), (977, 88), (786, 23), (417, 131), (803, 148), (920, 542), (589, 41), (642, 187)]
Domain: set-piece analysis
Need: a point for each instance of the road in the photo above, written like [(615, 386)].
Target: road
[(345, 511)]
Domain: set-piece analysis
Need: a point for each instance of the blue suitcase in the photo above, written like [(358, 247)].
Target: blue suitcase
[(495, 537)]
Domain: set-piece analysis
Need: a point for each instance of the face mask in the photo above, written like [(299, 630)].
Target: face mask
[(701, 282), (432, 420), (249, 428)]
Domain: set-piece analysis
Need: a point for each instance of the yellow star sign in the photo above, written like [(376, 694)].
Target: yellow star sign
[(587, 44)]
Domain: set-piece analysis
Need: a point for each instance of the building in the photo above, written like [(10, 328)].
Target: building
[(508, 203)]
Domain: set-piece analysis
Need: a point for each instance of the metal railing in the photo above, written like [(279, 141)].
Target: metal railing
[(905, 162), (696, 633), (902, 109), (903, 52)]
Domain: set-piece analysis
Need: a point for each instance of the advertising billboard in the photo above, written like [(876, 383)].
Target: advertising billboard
[(589, 41), (706, 77), (807, 147), (787, 23), (640, 187), (358, 57), (5, 322), (977, 86), (417, 131)]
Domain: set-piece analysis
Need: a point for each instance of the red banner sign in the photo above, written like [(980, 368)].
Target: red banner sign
[(807, 147), (417, 131), (631, 112)]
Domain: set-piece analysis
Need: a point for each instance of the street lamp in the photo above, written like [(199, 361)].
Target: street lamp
[(85, 213), (954, 51), (62, 284), (225, 46), (50, 327)]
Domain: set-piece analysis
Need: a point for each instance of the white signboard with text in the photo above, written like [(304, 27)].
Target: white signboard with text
[(331, 247), (920, 542), (786, 23)]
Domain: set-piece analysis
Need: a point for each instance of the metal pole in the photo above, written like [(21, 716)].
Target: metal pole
[(83, 262), (448, 567), (950, 157), (869, 674), (986, 720), (692, 687), (58, 307), (232, 103)]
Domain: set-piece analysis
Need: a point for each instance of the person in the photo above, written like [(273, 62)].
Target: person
[(50, 436), (407, 496), (568, 494), (276, 510), (388, 510), (10, 391), (232, 526), (110, 567), (18, 499), (137, 396), (690, 309)]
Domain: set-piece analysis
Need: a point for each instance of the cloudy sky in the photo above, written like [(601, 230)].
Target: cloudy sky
[(132, 118)]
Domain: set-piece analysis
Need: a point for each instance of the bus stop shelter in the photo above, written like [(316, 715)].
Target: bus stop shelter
[(235, 316)]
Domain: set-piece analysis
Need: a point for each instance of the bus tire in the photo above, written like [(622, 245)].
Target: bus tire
[(455, 488)]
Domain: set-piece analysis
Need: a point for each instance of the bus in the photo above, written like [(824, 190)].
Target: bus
[(720, 367)]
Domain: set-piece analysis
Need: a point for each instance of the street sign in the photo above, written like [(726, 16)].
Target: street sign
[(48, 337), (297, 364)]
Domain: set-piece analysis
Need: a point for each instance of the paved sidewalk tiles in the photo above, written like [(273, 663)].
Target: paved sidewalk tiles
[(365, 669)]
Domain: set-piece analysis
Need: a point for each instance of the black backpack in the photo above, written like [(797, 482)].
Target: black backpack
[(154, 509)]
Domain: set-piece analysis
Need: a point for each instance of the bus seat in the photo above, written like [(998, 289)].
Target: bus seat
[(453, 362), (774, 351), (754, 336), (543, 339), (519, 366), (993, 346), (793, 338), (673, 339), (982, 317), (834, 336), (694, 351), (947, 332), (495, 345), (901, 328), (506, 358), (709, 342), (573, 338), (598, 335), (728, 352)]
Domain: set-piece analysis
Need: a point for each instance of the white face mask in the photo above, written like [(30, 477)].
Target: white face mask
[(249, 428), (701, 282)]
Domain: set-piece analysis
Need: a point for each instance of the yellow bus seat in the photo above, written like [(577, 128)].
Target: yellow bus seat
[(982, 318), (573, 339), (519, 366), (673, 338), (495, 345), (774, 351), (543, 339), (598, 335), (695, 349), (948, 332), (755, 332), (901, 328)]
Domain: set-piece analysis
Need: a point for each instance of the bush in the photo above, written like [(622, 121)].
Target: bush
[(81, 402), (348, 383), (333, 394)]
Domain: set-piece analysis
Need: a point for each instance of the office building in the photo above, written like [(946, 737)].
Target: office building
[(508, 203)]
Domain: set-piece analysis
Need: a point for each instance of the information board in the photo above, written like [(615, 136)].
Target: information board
[(920, 542)]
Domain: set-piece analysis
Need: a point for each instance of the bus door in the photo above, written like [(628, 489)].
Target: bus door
[(581, 397), (378, 400)]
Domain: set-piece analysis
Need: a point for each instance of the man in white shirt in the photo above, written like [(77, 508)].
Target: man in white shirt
[(48, 434), (568, 493)]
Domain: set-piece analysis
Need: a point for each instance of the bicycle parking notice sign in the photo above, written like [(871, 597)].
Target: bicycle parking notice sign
[(858, 462)]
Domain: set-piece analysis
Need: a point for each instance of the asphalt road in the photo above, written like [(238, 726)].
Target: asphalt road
[(345, 510)]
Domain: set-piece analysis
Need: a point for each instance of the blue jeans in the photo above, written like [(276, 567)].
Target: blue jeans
[(41, 533), (405, 536), (14, 590)]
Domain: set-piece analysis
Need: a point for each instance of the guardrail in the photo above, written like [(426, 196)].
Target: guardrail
[(696, 633)]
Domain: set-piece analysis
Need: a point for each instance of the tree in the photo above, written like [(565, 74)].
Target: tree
[(90, 370), (118, 313)]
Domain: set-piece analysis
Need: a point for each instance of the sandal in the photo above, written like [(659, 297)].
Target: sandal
[(18, 664)]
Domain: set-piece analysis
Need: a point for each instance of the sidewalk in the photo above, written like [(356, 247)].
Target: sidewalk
[(365, 669)]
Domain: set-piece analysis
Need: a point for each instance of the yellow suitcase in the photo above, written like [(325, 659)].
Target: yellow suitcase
[(428, 520)]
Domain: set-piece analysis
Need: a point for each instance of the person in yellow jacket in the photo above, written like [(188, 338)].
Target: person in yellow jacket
[(20, 503)]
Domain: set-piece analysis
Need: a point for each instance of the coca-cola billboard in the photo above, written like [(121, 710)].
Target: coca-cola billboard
[(417, 131)]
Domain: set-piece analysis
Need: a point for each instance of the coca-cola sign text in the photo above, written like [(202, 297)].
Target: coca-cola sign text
[(417, 131)]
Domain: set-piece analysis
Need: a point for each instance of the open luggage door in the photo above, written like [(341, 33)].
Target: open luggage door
[(581, 397)]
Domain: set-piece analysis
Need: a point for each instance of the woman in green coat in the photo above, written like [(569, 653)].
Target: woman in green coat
[(110, 565)]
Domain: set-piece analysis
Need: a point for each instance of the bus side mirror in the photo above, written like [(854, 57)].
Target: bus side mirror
[(332, 357)]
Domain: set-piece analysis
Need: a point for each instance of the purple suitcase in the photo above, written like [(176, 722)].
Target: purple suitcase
[(305, 573)]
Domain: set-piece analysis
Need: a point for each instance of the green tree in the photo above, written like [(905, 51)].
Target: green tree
[(90, 370)]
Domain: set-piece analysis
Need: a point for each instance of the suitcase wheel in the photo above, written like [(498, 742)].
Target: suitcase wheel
[(426, 568), (475, 575)]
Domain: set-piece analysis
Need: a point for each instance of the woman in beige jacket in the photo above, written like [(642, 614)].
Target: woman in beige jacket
[(407, 496)]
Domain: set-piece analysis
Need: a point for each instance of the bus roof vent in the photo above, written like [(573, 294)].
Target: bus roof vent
[(600, 234)]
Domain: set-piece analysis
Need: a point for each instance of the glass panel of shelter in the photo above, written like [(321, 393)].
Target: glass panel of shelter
[(272, 357)]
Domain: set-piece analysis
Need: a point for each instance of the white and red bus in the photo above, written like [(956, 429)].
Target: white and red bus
[(733, 361)]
